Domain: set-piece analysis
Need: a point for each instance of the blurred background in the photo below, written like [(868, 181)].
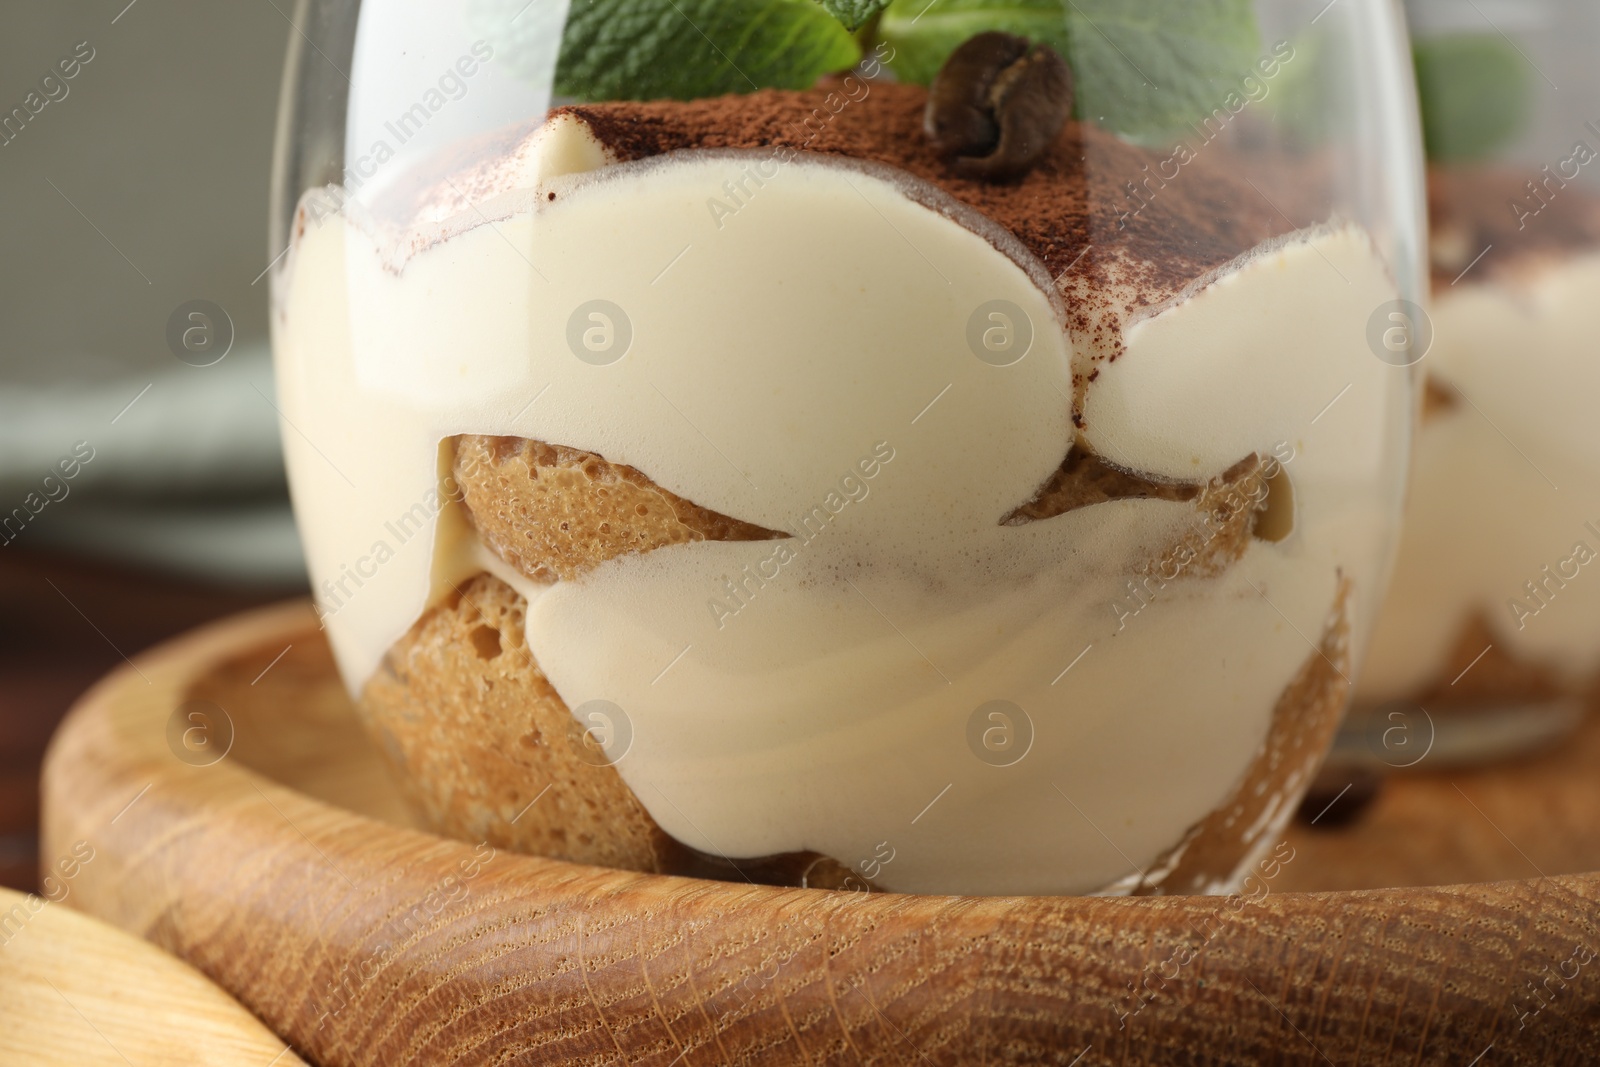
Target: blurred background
[(134, 198)]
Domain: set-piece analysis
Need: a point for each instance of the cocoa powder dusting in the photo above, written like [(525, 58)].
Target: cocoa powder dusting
[(1472, 209), (1073, 199)]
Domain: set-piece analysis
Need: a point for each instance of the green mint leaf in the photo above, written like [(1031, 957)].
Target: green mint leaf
[(1476, 95), (1143, 68), (685, 49), (853, 13), (1302, 106)]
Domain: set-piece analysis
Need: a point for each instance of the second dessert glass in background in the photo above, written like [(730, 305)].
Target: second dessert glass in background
[(933, 449), (1490, 641)]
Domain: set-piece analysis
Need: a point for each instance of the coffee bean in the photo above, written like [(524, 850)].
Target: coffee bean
[(998, 104)]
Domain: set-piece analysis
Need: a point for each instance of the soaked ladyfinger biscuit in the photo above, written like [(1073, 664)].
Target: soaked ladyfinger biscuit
[(555, 512), (478, 734), (490, 751)]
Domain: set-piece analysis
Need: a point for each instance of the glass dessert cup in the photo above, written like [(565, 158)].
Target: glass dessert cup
[(770, 447), (1489, 643)]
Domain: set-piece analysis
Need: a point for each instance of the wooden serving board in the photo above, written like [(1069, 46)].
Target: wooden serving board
[(289, 873), (75, 992)]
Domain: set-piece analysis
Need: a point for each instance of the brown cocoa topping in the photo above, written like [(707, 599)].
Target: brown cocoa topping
[(1475, 213), (1121, 228), (1072, 210)]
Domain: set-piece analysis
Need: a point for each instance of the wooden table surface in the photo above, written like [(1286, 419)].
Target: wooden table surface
[(287, 871), (75, 992), (63, 624)]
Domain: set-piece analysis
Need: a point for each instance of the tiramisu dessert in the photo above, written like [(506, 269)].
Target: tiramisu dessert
[(1491, 609), (848, 486), (1492, 625)]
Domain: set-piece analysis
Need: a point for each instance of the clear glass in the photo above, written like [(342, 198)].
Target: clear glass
[(1490, 641), (734, 441)]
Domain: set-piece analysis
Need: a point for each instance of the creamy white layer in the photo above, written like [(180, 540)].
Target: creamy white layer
[(1506, 484), (823, 325)]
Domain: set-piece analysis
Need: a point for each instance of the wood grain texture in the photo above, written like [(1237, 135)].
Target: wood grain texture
[(288, 874), (75, 992)]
